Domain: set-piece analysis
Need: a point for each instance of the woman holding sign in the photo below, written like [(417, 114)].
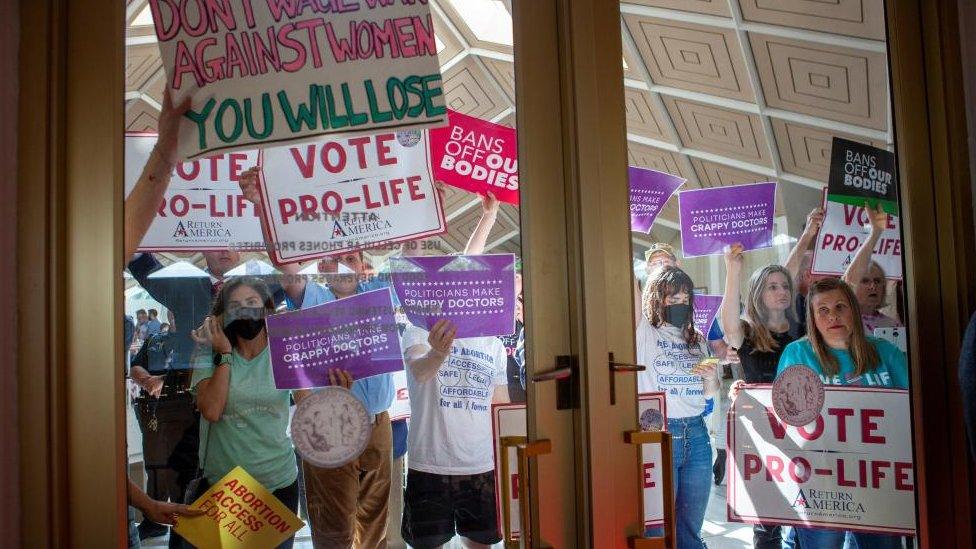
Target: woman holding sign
[(759, 335), (868, 278), (676, 356), (841, 354)]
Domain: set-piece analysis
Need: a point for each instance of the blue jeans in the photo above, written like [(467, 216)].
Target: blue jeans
[(838, 539), (691, 467)]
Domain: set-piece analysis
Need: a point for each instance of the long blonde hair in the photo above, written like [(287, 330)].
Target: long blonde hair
[(865, 356), (756, 314), (669, 281)]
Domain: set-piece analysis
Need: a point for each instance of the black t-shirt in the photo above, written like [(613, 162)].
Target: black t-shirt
[(516, 392), (759, 366)]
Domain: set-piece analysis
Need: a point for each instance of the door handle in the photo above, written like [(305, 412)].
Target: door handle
[(566, 376), (667, 487), (615, 368), (524, 451)]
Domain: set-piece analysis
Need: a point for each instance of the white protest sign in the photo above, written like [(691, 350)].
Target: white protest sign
[(203, 208), (334, 196), (653, 417), (841, 235), (280, 71), (401, 397), (850, 469), (508, 420)]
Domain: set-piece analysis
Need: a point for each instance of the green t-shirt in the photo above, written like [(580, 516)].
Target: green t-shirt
[(891, 372), (253, 430)]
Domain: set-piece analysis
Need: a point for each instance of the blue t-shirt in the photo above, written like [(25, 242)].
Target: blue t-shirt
[(375, 392), (891, 372)]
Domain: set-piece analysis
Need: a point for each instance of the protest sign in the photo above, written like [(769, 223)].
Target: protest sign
[(845, 228), (239, 513), (358, 334), (706, 307), (714, 218), (477, 156), (650, 190), (849, 469), (475, 292), (203, 208), (334, 196), (401, 397), (264, 73), (862, 174), (508, 420), (653, 417)]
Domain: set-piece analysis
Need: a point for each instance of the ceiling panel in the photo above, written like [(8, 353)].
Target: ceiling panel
[(691, 56), (644, 156), (861, 18), (712, 174), (709, 7), (504, 73), (826, 81), (451, 45), (142, 64), (644, 116), (805, 150), (140, 116), (467, 89), (718, 130)]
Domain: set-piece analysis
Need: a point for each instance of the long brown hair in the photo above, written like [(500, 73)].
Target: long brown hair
[(756, 314), (669, 281), (865, 356), (255, 283)]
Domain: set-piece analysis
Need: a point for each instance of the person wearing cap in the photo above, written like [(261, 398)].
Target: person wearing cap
[(660, 255)]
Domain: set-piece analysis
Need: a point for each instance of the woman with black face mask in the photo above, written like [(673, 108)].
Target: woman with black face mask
[(244, 417), (676, 356)]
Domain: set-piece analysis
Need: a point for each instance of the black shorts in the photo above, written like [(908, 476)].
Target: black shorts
[(435, 507)]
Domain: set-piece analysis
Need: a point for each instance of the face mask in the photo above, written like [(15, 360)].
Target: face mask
[(677, 314), (245, 322)]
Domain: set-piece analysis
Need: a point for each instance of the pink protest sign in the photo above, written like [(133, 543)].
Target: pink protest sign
[(650, 190), (477, 156), (714, 218), (706, 306)]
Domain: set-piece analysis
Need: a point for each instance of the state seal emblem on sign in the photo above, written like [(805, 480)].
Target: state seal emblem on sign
[(798, 395), (330, 428), (408, 138)]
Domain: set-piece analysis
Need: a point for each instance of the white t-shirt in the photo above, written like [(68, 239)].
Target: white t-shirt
[(669, 361), (450, 415)]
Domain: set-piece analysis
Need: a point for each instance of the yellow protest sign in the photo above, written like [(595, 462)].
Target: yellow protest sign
[(239, 513)]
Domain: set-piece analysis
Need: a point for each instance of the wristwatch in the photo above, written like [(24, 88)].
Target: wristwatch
[(221, 358)]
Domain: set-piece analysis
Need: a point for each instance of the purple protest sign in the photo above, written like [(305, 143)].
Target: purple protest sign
[(475, 292), (358, 334), (650, 190), (714, 218), (706, 307)]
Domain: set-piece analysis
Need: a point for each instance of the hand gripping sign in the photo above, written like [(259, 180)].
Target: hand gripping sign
[(203, 207), (714, 218), (277, 72), (475, 292), (477, 156), (844, 229), (851, 468), (348, 193)]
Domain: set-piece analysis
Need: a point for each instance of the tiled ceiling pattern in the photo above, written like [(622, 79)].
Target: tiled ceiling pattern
[(720, 92)]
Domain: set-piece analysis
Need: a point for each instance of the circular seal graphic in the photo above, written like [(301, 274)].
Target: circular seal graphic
[(330, 428), (652, 420), (408, 138), (798, 395)]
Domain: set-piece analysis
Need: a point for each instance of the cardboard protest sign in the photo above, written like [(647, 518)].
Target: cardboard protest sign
[(862, 174), (475, 292), (845, 228), (508, 420), (652, 411), (706, 307), (650, 190), (850, 469), (401, 397), (477, 156), (264, 73), (240, 513), (333, 196), (203, 207), (714, 218), (358, 334)]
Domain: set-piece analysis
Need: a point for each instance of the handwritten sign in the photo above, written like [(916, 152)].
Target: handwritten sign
[(358, 334), (844, 229), (276, 72), (475, 292), (350, 193), (239, 513), (203, 208), (477, 156), (849, 469), (714, 218), (650, 190)]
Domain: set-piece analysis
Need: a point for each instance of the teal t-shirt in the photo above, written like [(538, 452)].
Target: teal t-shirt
[(253, 430), (892, 372)]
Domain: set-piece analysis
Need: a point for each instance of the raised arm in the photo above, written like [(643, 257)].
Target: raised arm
[(423, 361), (729, 310), (862, 259), (489, 213), (147, 194), (814, 221)]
